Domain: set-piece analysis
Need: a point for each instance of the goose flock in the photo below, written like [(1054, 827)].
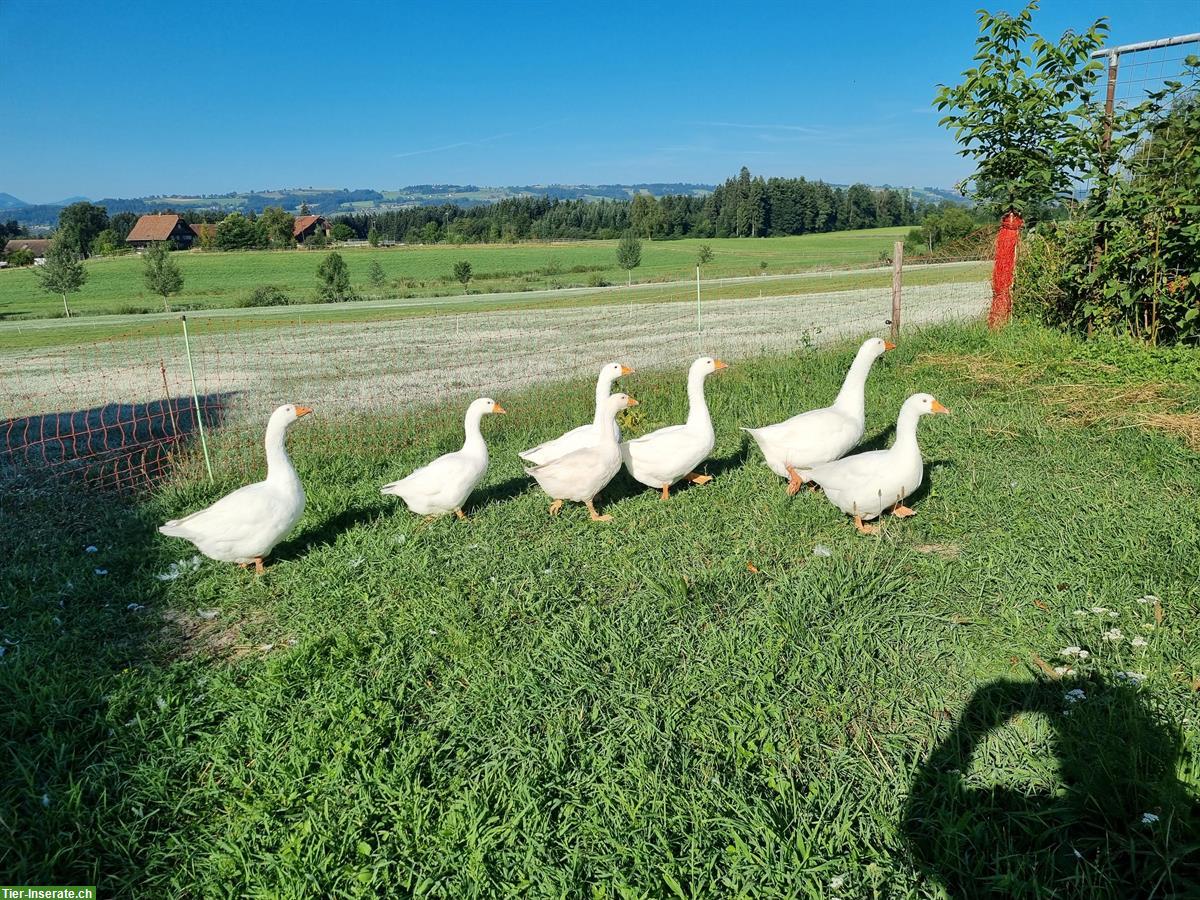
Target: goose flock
[(809, 448)]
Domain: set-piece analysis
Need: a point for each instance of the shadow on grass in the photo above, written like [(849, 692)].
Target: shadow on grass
[(326, 532), (1092, 838), (77, 622), (499, 493)]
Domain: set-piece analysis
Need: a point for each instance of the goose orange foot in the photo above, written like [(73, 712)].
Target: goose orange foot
[(864, 528), (697, 478), (555, 507), (900, 511), (666, 492), (460, 513), (794, 481), (596, 517)]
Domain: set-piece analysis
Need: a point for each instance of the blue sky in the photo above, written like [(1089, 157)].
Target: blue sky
[(131, 98)]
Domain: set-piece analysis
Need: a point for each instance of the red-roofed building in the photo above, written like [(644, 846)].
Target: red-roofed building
[(154, 229), (308, 225)]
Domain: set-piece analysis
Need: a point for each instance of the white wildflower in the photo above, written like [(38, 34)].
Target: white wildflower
[(46, 802), (160, 703), (822, 550), (91, 548), (1131, 677), (208, 614), (1075, 696), (136, 607), (1114, 615), (1063, 670), (1139, 641), (1147, 626), (1148, 599), (837, 882), (1100, 610), (100, 571), (1081, 612), (1113, 636), (1073, 653), (1149, 818), (401, 538)]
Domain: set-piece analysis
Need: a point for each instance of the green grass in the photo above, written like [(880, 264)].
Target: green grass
[(515, 705), (215, 280), (45, 333)]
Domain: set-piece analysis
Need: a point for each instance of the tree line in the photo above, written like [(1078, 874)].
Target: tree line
[(744, 206)]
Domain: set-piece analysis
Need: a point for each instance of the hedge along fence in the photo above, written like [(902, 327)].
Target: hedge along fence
[(1128, 259), (121, 412)]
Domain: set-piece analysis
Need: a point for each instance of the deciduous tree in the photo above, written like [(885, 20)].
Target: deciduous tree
[(629, 254), (78, 225), (334, 277), (63, 273), (161, 274)]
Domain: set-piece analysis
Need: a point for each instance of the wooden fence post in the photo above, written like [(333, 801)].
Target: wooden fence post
[(897, 269)]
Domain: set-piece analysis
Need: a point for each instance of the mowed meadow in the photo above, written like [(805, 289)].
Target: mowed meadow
[(221, 280), (731, 693)]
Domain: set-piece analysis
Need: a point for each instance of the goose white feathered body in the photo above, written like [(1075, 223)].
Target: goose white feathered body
[(444, 485), (867, 484), (584, 435), (581, 474), (247, 524), (663, 457), (821, 435)]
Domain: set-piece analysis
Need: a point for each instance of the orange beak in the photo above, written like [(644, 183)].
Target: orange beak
[(497, 408), (303, 411), (888, 345), (625, 370), (718, 365), (938, 408), (632, 402)]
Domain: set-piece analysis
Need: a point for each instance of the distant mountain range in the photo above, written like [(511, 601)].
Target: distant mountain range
[(332, 201)]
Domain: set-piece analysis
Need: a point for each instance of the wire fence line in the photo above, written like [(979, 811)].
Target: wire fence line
[(120, 413)]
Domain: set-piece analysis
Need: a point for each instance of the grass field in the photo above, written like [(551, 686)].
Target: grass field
[(522, 706), (215, 280), (48, 333)]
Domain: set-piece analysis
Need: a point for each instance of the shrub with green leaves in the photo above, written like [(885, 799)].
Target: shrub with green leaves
[(1129, 260), (266, 295)]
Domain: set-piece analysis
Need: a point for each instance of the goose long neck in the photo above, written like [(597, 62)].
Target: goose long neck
[(279, 464), (906, 431), (473, 441), (851, 398), (698, 416), (603, 416)]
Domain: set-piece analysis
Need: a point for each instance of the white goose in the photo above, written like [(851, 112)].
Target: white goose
[(584, 435), (244, 527), (821, 435), (581, 474), (443, 485), (663, 457), (866, 484)]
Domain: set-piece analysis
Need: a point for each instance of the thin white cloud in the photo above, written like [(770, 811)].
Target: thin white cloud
[(801, 128), (467, 143)]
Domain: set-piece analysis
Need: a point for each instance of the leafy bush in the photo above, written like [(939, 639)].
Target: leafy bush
[(334, 276), (598, 281), (266, 295), (20, 257), (1129, 261)]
